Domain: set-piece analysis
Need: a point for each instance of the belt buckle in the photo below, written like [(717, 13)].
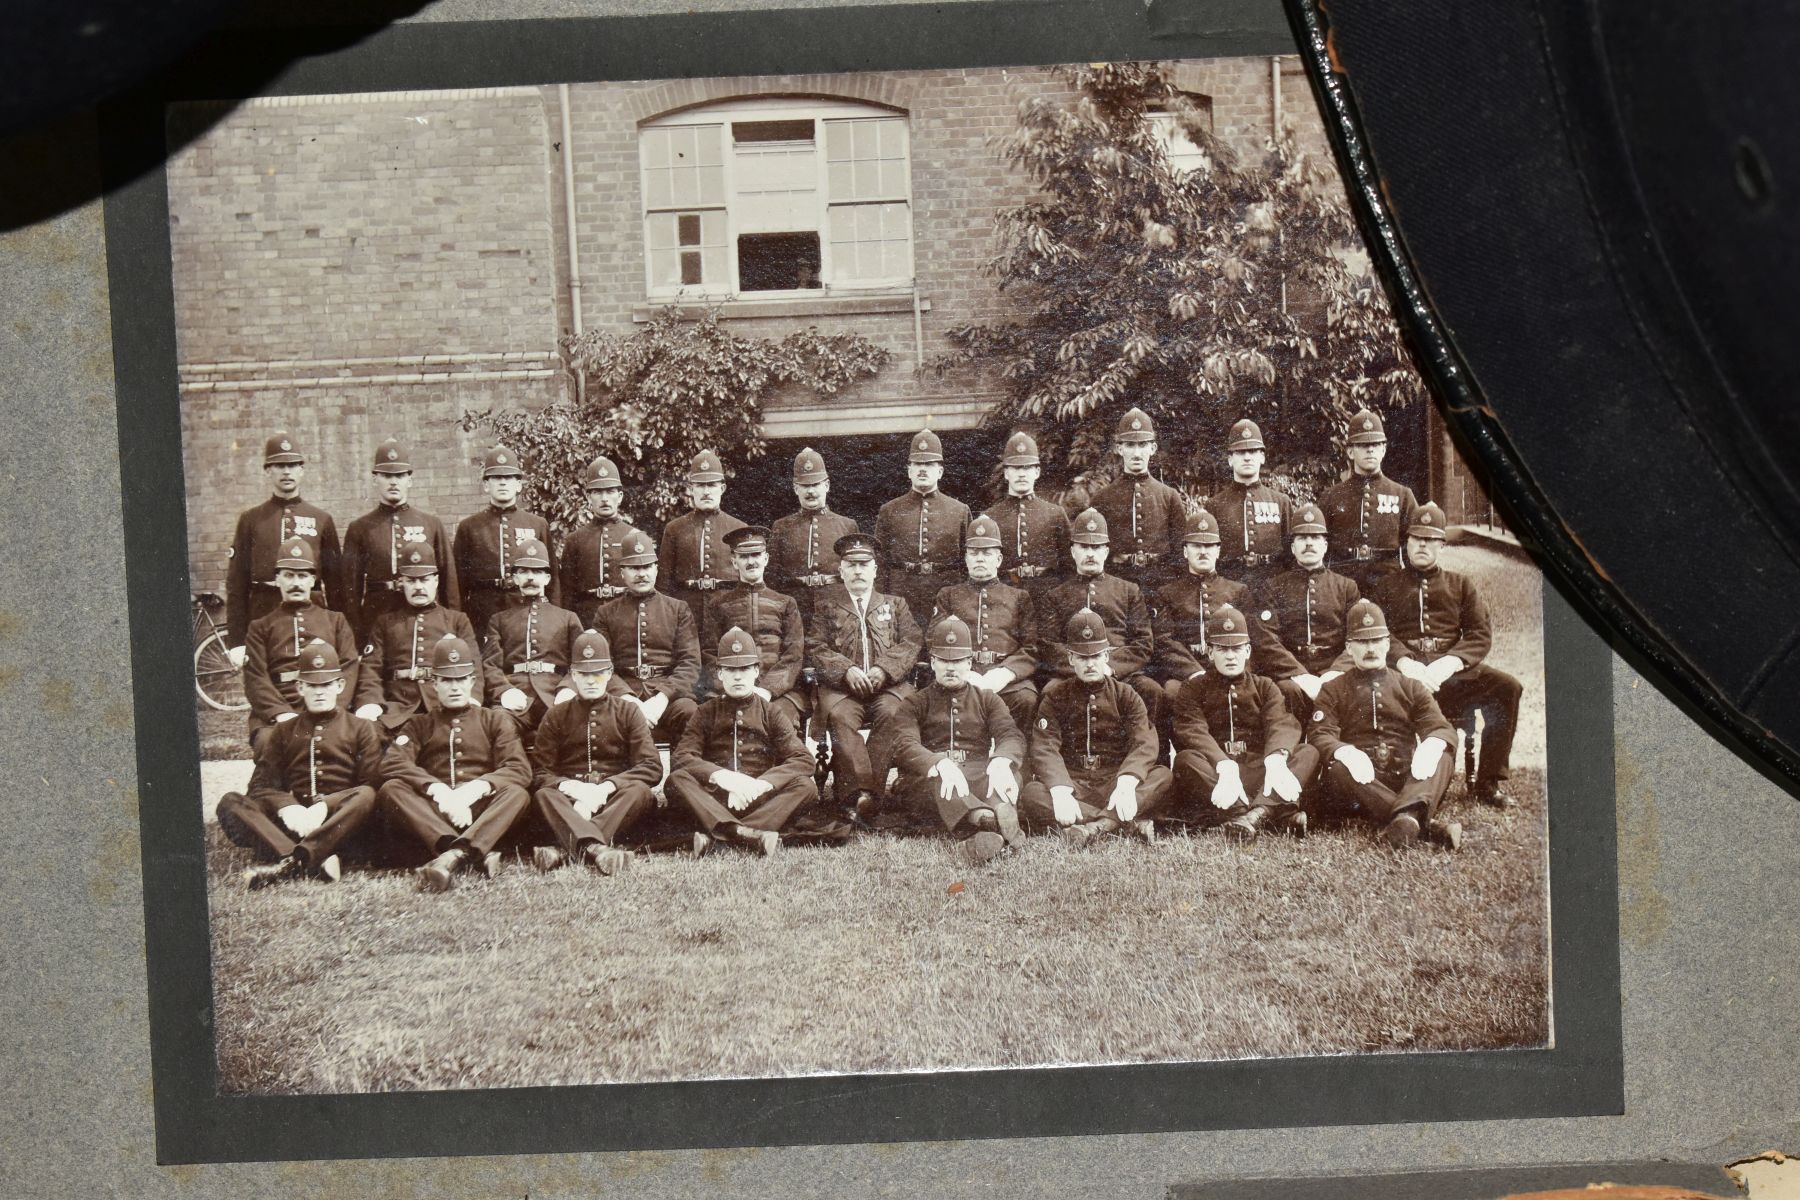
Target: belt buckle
[(1089, 761), (1309, 649), (1196, 647), (645, 671), (926, 568), (1431, 645), (1382, 754), (1254, 559), (1362, 553), (1235, 748), (984, 658), (959, 757)]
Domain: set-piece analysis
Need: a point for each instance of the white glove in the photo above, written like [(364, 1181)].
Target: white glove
[(1326, 677), (1412, 668), (999, 678), (1002, 783), (1123, 801), (762, 691), (979, 681), (564, 695), (1425, 757), (1062, 803), (589, 798), (316, 813), (282, 718), (513, 700), (655, 707), (294, 817), (1309, 684), (237, 654), (1230, 788), (1279, 779), (1442, 670), (951, 780), (1357, 763), (369, 712)]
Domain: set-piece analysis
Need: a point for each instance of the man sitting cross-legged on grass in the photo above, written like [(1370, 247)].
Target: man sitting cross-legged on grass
[(740, 768), (596, 763), (1239, 760), (959, 752), (863, 644), (1383, 741), (1093, 749), (530, 641), (397, 659), (314, 781), (456, 776)]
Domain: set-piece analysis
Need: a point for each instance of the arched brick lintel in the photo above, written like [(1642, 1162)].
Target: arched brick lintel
[(675, 95)]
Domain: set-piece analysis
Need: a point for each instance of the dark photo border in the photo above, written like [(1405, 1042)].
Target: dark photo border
[(1581, 1075)]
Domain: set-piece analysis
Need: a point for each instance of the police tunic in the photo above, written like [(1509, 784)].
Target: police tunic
[(1119, 604), (397, 661), (272, 658), (1002, 621), (801, 558), (967, 726), (1146, 518), (595, 741), (750, 736), (333, 758), (1380, 712), (1253, 524), (1179, 623), (693, 560), (455, 748), (374, 547), (1308, 615), (1434, 613), (590, 567), (485, 545), (655, 645), (1034, 542), (1089, 734), (532, 644), (769, 617), (1366, 518), (921, 539), (1240, 719), (255, 545)]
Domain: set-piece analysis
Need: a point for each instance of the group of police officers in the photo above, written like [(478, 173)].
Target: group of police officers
[(1246, 664)]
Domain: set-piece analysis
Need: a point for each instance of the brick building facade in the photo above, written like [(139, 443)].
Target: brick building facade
[(355, 267)]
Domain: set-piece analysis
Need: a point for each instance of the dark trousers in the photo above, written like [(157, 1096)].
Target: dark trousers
[(1195, 778), (858, 767), (572, 831), (922, 794), (675, 718), (1393, 791), (771, 812), (1156, 702), (1495, 695), (418, 816), (252, 826), (1091, 794)]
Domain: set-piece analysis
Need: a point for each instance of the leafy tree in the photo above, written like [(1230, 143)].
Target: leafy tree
[(1200, 296), (652, 399)]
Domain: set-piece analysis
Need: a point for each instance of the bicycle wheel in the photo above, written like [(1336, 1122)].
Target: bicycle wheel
[(216, 681)]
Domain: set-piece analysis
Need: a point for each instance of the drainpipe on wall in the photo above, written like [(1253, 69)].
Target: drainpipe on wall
[(1274, 99), (568, 174)]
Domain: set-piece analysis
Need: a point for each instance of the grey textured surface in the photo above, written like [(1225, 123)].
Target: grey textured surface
[(1709, 855)]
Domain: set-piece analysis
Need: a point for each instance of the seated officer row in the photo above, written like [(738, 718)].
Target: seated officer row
[(457, 778), (921, 531)]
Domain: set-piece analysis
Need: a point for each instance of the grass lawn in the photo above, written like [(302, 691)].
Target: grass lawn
[(888, 955)]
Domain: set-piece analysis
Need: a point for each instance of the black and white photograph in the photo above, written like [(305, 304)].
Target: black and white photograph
[(767, 576)]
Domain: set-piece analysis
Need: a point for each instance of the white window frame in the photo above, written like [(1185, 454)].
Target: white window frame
[(721, 116), (1175, 142)]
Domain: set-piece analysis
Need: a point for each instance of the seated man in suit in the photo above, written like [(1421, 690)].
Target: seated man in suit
[(1239, 760), (397, 659), (1092, 759), (456, 775), (863, 644), (1383, 741), (313, 784), (958, 751), (595, 765), (741, 769)]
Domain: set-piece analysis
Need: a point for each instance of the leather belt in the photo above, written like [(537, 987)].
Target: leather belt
[(1137, 558), (1197, 647), (1254, 559), (815, 581), (985, 658), (605, 591), (1088, 761), (1026, 571), (407, 673), (706, 585), (1430, 645), (959, 757), (1362, 553), (536, 666), (645, 671), (1312, 650), (1235, 749), (925, 568)]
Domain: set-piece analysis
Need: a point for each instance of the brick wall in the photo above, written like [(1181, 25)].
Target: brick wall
[(356, 267)]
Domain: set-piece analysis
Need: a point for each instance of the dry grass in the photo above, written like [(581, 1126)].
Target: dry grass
[(870, 958)]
